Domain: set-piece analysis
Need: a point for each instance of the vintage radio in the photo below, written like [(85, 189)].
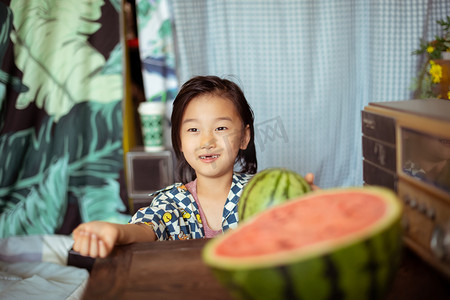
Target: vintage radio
[(406, 147), (147, 172)]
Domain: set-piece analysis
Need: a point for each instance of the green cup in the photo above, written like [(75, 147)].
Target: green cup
[(152, 124)]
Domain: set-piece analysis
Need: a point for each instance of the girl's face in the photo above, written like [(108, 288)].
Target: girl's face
[(211, 135)]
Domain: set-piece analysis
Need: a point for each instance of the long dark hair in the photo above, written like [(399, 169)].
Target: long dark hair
[(201, 85)]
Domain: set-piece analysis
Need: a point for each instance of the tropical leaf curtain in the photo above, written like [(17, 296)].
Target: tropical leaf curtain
[(157, 49), (61, 91)]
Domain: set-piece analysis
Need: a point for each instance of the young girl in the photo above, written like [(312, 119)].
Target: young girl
[(212, 135)]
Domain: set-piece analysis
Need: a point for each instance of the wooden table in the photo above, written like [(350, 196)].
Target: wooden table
[(155, 270), (175, 270)]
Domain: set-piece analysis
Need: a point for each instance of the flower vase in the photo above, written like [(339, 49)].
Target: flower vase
[(444, 84)]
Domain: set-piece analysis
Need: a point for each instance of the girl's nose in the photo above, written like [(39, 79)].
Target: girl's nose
[(208, 141)]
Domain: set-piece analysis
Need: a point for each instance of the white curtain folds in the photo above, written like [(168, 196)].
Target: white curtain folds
[(308, 68)]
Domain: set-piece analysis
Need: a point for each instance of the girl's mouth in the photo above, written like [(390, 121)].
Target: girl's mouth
[(209, 158)]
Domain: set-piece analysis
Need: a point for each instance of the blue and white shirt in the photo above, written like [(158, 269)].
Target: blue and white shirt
[(174, 214)]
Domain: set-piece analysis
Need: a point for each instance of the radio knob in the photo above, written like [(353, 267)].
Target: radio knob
[(421, 207), (412, 202), (440, 242), (406, 199), (431, 213)]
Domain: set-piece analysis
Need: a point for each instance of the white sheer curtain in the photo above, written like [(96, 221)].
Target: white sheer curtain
[(308, 68)]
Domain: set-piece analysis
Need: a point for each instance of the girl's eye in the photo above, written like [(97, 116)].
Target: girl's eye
[(192, 130), (221, 128)]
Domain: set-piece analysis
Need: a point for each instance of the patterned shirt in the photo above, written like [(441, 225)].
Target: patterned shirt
[(174, 214)]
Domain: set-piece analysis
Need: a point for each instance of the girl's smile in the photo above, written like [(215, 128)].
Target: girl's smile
[(209, 158)]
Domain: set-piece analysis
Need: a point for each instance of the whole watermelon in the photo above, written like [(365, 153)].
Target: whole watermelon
[(329, 244), (268, 188)]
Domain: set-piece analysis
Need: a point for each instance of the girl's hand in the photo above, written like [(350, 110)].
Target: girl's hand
[(310, 179), (95, 239)]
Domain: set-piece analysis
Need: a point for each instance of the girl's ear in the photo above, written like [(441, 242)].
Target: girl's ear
[(245, 137)]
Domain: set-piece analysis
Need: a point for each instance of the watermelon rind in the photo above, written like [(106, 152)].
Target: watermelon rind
[(360, 265)]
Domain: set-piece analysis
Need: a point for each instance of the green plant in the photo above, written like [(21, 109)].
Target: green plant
[(430, 74)]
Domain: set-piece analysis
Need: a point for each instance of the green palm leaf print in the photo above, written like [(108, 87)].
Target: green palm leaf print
[(52, 50), (62, 160)]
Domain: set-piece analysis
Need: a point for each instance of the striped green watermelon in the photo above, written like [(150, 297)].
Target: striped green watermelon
[(329, 244), (268, 188)]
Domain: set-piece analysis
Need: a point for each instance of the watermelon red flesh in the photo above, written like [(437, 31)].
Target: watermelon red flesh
[(302, 224)]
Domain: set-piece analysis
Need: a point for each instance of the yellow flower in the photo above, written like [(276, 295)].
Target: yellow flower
[(435, 72), (430, 49), (448, 95)]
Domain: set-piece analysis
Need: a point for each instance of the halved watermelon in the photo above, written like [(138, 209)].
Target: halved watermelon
[(329, 244), (270, 187)]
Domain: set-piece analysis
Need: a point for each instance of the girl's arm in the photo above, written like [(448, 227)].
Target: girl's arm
[(97, 238)]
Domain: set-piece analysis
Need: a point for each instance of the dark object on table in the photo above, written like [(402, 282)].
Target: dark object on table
[(77, 260)]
